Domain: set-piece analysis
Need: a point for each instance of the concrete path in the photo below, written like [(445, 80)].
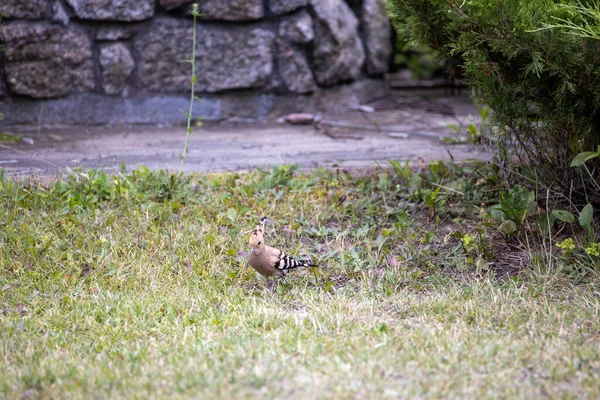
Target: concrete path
[(364, 139)]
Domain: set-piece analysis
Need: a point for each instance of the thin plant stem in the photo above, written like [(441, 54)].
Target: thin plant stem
[(189, 129)]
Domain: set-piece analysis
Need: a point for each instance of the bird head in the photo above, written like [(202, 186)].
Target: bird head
[(256, 237)]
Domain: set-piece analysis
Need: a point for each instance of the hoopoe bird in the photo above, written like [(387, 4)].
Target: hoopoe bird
[(269, 261)]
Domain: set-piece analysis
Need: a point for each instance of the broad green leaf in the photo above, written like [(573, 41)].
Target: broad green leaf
[(231, 252), (484, 113), (406, 171), (582, 158), (414, 183), (210, 239), (530, 205), (563, 216), (231, 214), (585, 216), (498, 214), (397, 166), (508, 227)]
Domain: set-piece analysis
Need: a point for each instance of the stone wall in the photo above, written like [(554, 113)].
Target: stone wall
[(122, 61)]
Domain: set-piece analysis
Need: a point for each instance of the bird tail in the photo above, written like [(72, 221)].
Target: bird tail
[(286, 263), (305, 263)]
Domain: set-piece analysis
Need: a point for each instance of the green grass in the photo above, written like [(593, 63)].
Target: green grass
[(135, 286)]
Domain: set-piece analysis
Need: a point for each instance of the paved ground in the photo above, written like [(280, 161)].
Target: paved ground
[(364, 139)]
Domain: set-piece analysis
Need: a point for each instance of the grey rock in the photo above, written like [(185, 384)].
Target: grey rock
[(231, 10), (117, 65), (264, 105), (294, 69), (44, 60), (114, 33), (81, 108), (226, 57), (23, 9), (284, 6), (377, 31), (172, 4), (247, 105), (96, 109), (342, 98), (113, 10), (368, 90), (300, 118), (338, 54), (59, 14), (166, 110), (275, 83), (297, 28)]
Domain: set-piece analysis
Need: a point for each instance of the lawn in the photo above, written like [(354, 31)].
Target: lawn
[(134, 285)]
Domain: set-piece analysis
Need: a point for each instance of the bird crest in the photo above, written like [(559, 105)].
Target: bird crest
[(257, 236)]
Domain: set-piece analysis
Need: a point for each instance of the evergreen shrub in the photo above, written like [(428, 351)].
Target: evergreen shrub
[(536, 63)]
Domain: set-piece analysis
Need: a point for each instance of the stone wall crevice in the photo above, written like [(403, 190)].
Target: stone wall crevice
[(69, 11), (2, 77)]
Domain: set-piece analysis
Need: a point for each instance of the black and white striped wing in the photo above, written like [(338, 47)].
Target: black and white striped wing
[(285, 263)]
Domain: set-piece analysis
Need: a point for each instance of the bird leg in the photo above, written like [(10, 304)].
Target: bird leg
[(272, 283)]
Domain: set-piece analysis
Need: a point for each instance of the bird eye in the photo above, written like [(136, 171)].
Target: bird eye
[(259, 242)]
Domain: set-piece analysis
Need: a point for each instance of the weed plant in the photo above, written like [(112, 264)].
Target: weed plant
[(189, 114)]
